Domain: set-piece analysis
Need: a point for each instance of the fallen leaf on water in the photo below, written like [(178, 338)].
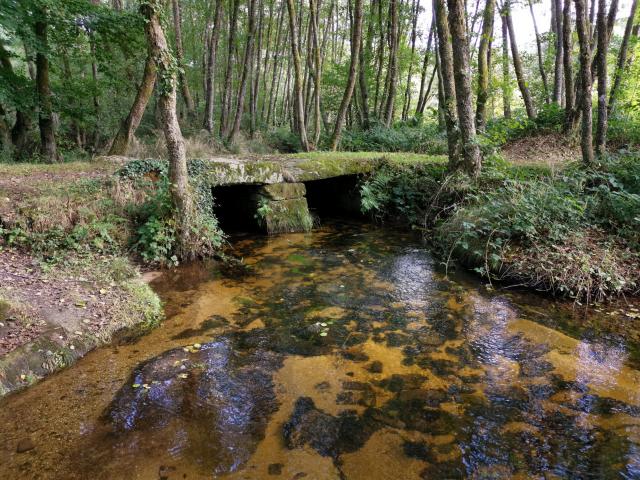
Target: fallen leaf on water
[(183, 375)]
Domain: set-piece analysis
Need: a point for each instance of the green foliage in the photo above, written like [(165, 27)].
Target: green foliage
[(574, 232), (284, 140), (156, 235), (402, 138)]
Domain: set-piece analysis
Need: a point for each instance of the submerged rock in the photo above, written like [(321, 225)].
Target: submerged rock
[(213, 392), (327, 434)]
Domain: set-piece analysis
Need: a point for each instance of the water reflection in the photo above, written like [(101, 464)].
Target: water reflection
[(345, 353)]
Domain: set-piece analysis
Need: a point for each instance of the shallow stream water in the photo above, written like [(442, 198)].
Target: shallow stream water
[(343, 353)]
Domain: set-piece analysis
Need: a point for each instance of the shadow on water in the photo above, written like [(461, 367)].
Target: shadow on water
[(345, 353)]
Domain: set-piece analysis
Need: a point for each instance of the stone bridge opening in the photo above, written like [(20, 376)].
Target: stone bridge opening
[(285, 207)]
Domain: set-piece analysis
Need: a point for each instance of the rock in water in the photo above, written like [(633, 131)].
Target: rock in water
[(328, 435), (220, 397)]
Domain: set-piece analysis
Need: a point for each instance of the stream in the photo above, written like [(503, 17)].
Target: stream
[(346, 353)]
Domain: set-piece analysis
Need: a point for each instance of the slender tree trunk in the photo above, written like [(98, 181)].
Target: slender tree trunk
[(248, 57), (601, 62), (277, 68), (184, 84), (316, 70), (255, 91), (129, 125), (48, 147), (622, 56), (210, 75), (567, 46), (445, 57), (225, 111), (356, 39), (178, 176), (517, 63), (506, 77), (393, 63), (559, 58), (543, 74), (422, 98), (299, 117), (365, 59), (585, 80), (462, 75), (379, 60), (407, 92), (483, 64)]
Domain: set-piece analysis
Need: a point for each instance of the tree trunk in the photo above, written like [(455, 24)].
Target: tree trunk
[(210, 75), (407, 92), (248, 57), (184, 84), (19, 131), (471, 161), (255, 90), (567, 46), (356, 39), (517, 63), (483, 64), (178, 176), (585, 80), (379, 60), (601, 62), (225, 111), (365, 58), (422, 97), (277, 68), (392, 68), (622, 56), (445, 57), (128, 127), (298, 117), (316, 70), (48, 147), (506, 77), (559, 58), (543, 74)]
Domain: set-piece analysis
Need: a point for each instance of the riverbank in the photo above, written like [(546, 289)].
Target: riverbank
[(559, 228), (52, 316)]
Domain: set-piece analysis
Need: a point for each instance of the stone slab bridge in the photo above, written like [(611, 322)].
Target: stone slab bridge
[(281, 194)]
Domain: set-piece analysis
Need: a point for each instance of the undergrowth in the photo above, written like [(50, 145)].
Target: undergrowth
[(572, 232), (129, 212)]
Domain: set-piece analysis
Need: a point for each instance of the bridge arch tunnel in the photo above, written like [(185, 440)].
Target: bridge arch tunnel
[(285, 207)]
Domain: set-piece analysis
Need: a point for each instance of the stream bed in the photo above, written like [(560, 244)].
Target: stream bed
[(346, 353)]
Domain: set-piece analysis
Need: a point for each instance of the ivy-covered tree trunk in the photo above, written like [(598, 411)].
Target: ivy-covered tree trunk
[(483, 64), (584, 40), (471, 160), (128, 127), (167, 80), (356, 39), (48, 146), (210, 75), (448, 100)]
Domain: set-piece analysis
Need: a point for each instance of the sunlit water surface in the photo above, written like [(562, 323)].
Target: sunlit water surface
[(344, 353)]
